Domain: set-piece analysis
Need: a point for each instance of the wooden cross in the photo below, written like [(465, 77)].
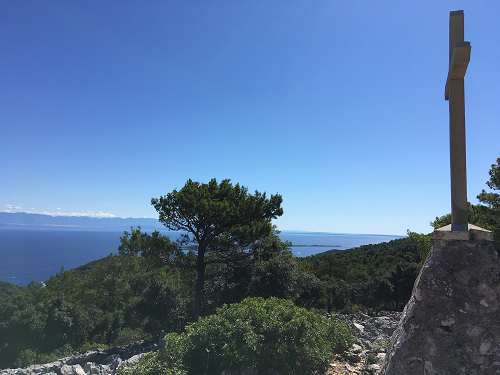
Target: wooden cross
[(454, 93)]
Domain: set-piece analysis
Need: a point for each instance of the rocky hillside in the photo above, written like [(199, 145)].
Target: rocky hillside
[(98, 362), (373, 335)]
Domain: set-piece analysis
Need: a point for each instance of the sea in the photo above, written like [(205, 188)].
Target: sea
[(37, 253)]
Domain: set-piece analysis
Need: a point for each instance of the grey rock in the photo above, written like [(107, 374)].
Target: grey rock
[(112, 361), (72, 370), (352, 370), (380, 358), (134, 360), (358, 328), (104, 369), (372, 369), (92, 361), (353, 357), (91, 368), (357, 349), (450, 324), (372, 332)]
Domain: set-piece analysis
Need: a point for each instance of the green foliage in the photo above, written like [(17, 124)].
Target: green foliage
[(88, 346), (124, 298), (359, 278), (490, 211), (277, 277), (372, 260), (266, 334), (128, 335), (377, 347), (221, 221), (111, 302), (402, 278), (25, 359), (29, 357), (64, 351), (371, 358), (492, 199), (475, 213), (218, 216), (127, 297), (424, 243), (8, 289)]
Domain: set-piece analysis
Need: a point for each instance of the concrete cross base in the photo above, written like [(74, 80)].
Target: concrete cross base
[(451, 324), (462, 232)]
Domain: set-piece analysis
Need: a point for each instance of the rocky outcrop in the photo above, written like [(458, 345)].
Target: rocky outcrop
[(372, 331), (373, 336), (95, 362), (451, 324)]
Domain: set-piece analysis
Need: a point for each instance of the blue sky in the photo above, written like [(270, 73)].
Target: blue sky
[(336, 105)]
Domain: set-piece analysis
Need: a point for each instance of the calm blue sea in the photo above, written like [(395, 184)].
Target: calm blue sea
[(37, 253)]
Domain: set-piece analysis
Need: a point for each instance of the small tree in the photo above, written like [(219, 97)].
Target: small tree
[(492, 199), (424, 242), (221, 225), (491, 212)]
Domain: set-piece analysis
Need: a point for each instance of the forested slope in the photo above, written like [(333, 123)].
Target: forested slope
[(8, 289), (123, 298)]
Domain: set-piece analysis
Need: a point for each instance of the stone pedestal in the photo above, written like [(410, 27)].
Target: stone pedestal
[(451, 324)]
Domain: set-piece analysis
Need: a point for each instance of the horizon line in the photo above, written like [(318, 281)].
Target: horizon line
[(92, 215)]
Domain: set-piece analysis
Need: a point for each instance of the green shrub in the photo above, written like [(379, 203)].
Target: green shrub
[(128, 335), (26, 358), (64, 351), (268, 335), (29, 357), (371, 359), (88, 346), (264, 334)]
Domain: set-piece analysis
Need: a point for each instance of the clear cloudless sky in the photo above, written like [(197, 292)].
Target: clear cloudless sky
[(336, 105)]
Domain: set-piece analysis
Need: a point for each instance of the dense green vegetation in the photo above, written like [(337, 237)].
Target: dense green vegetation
[(109, 304), (370, 277), (8, 289), (127, 297), (266, 334)]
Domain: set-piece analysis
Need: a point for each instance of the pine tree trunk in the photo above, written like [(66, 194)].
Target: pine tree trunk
[(200, 283)]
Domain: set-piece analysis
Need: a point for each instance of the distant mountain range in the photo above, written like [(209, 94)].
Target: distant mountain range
[(17, 219)]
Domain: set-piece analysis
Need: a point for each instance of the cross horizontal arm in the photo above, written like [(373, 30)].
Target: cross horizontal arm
[(459, 62)]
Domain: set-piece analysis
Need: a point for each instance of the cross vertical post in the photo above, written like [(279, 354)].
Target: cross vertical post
[(459, 58)]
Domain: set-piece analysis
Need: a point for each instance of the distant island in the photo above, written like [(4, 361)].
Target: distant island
[(25, 219)]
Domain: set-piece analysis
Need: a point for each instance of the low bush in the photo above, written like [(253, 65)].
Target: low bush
[(88, 346), (29, 357), (266, 334), (129, 335), (26, 358)]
